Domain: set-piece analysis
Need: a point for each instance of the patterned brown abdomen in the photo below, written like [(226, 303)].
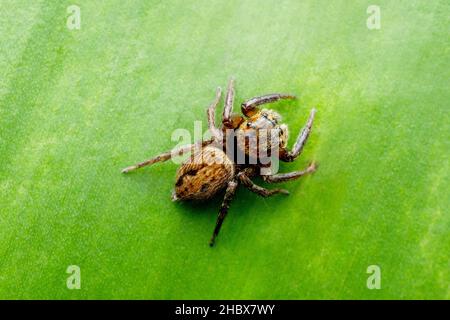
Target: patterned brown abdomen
[(205, 173)]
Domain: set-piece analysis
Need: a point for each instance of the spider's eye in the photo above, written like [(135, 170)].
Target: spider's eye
[(249, 124), (265, 115)]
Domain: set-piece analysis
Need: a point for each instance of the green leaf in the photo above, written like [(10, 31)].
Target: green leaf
[(76, 106)]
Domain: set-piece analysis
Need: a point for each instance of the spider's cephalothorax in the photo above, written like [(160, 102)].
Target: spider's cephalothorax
[(215, 164), (259, 135)]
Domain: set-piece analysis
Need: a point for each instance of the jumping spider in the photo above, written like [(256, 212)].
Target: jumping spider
[(199, 178)]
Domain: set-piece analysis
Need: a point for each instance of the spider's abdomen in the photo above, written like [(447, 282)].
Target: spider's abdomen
[(203, 174)]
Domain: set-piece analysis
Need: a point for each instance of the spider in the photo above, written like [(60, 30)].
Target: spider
[(213, 164)]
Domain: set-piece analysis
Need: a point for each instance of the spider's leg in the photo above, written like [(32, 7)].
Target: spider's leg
[(168, 155), (258, 189), (229, 193), (228, 108), (211, 113), (281, 177), (249, 107), (290, 156)]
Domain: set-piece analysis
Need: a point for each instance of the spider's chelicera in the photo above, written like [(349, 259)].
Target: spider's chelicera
[(242, 148)]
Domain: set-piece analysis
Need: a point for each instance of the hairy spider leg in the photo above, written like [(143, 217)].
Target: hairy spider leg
[(168, 155), (229, 194), (289, 156)]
